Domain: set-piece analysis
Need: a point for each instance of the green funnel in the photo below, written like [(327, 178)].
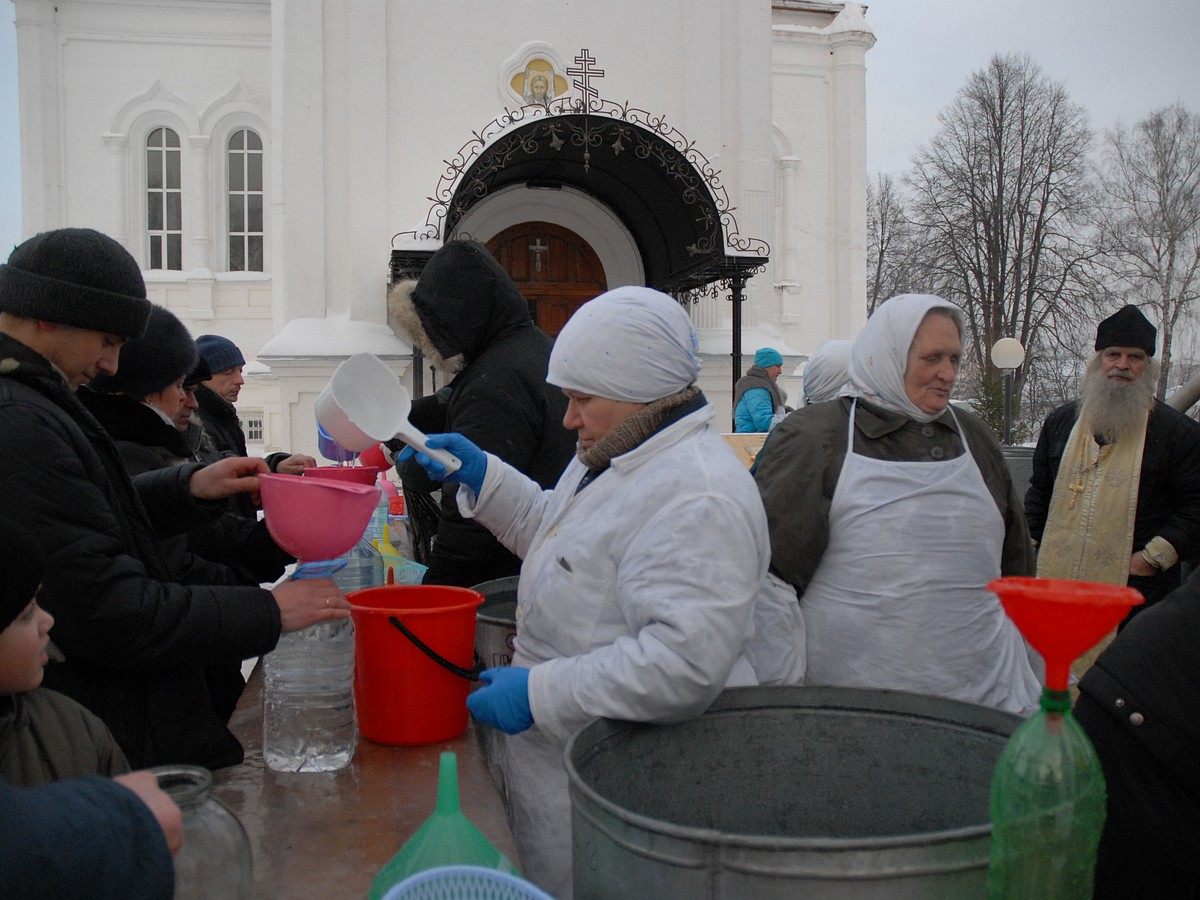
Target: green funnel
[(448, 838)]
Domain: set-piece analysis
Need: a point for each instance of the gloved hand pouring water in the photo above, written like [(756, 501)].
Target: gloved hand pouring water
[(474, 460), (503, 702)]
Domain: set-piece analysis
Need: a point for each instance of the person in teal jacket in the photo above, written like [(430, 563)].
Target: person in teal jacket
[(758, 402)]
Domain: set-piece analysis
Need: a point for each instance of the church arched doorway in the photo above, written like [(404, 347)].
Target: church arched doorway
[(555, 269)]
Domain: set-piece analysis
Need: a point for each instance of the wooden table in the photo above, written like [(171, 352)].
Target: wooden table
[(746, 446), (328, 834)]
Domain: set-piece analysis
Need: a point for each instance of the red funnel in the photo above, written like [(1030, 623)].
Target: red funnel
[(316, 518), (1063, 619), (352, 474)]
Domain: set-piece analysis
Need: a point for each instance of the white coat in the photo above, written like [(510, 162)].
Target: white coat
[(636, 602)]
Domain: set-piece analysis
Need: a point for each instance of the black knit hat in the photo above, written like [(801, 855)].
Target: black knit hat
[(147, 365), (1127, 327), (78, 277), (21, 566)]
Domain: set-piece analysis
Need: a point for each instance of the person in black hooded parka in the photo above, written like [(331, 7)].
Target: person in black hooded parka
[(472, 322)]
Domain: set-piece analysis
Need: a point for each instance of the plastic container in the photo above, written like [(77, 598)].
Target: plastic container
[(853, 794), (308, 699), (446, 838), (379, 517), (465, 883), (364, 568), (1048, 799), (402, 696), (1048, 804), (399, 531), (214, 862)]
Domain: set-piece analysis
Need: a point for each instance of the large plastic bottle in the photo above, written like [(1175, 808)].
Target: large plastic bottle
[(1047, 808), (379, 517), (308, 712)]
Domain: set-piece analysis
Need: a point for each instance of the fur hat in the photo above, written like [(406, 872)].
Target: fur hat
[(154, 361), (1127, 327), (77, 277), (219, 352), (23, 564), (767, 356)]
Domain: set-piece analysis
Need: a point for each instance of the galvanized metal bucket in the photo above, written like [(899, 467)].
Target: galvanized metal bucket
[(789, 792), (495, 633)]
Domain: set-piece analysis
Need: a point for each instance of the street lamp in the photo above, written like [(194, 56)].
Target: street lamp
[(1007, 355)]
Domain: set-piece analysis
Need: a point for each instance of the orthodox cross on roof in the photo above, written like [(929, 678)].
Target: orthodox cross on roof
[(585, 72)]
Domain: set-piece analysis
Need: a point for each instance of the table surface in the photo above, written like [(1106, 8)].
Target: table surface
[(327, 834)]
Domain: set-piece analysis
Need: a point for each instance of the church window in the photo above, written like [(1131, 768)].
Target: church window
[(164, 199), (245, 198)]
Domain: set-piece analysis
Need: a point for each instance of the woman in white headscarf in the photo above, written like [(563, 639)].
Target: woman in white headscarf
[(637, 596), (890, 539)]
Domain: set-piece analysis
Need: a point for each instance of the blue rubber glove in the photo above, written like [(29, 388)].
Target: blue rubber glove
[(504, 702), (474, 460)]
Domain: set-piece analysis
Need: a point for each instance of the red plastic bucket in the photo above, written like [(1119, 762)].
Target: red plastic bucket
[(401, 695)]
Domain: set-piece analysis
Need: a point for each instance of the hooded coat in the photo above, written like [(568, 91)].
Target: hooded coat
[(135, 641), (470, 318)]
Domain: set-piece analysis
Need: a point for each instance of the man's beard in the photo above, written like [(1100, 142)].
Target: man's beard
[(1112, 408)]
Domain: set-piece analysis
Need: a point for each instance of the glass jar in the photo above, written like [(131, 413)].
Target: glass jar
[(214, 862)]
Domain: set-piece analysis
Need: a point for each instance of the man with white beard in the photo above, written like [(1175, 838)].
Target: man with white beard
[(1115, 491)]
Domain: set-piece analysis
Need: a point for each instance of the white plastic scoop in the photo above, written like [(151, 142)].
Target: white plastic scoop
[(365, 404)]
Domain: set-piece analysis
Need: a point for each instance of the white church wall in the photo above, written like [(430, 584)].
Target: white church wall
[(361, 104)]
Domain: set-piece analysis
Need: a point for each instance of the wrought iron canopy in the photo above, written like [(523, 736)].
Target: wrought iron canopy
[(658, 183)]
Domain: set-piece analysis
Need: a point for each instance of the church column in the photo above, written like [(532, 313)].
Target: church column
[(788, 272), (848, 225), (198, 209), (41, 155), (298, 220), (118, 158)]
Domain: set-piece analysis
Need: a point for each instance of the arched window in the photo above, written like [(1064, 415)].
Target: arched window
[(245, 198), (164, 199)]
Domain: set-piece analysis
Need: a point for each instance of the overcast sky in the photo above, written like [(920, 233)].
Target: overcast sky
[(1117, 58)]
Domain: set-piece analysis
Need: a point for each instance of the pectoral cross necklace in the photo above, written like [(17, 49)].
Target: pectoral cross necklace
[(1076, 487)]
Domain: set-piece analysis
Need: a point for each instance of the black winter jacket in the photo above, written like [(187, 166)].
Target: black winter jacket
[(223, 437), (1168, 499), (500, 400), (232, 541), (135, 641)]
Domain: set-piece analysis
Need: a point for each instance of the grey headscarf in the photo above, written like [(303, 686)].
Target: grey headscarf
[(631, 343), (880, 353), (825, 372)]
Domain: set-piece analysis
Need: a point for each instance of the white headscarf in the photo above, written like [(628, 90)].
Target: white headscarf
[(631, 343), (825, 372), (880, 353)]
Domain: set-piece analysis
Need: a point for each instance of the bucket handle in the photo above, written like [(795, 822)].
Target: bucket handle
[(469, 674)]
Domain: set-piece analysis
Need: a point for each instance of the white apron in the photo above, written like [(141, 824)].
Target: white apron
[(899, 599)]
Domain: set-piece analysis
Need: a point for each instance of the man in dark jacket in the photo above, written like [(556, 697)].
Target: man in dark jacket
[(471, 322), (1137, 703), (1114, 495), (134, 642), (217, 415)]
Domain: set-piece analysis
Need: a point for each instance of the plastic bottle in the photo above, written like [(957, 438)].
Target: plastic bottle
[(447, 838), (214, 861), (398, 529), (1047, 808), (308, 711), (378, 518)]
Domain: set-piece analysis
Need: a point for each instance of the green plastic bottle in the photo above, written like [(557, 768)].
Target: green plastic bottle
[(1047, 808), (447, 838)]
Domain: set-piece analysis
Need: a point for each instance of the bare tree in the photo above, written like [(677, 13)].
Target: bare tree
[(1150, 221), (891, 259), (1002, 198)]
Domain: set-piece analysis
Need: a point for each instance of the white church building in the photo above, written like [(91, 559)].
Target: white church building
[(274, 164)]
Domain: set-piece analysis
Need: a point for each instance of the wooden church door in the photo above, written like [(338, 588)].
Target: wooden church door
[(555, 269)]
